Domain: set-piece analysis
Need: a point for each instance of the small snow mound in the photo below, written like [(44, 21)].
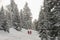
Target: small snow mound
[(12, 30)]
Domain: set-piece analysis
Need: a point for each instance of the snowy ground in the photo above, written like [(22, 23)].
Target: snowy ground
[(19, 35)]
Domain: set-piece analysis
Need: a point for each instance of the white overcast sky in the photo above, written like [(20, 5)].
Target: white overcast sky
[(34, 5)]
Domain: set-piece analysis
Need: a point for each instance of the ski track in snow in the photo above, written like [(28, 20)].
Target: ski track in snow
[(19, 35)]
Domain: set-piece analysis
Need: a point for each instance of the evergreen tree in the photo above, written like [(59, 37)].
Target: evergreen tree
[(1, 16), (15, 18), (8, 18), (41, 18), (55, 20), (42, 24), (3, 21), (51, 10), (27, 17)]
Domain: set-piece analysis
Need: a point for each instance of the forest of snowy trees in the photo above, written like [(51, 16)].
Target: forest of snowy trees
[(12, 18), (48, 23)]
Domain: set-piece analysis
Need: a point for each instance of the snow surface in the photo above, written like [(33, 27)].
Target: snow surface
[(19, 35)]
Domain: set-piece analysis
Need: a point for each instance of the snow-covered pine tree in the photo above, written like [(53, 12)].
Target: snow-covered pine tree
[(8, 18), (3, 21), (52, 5), (15, 18), (42, 24), (27, 17), (1, 15), (51, 10), (55, 20), (41, 18)]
